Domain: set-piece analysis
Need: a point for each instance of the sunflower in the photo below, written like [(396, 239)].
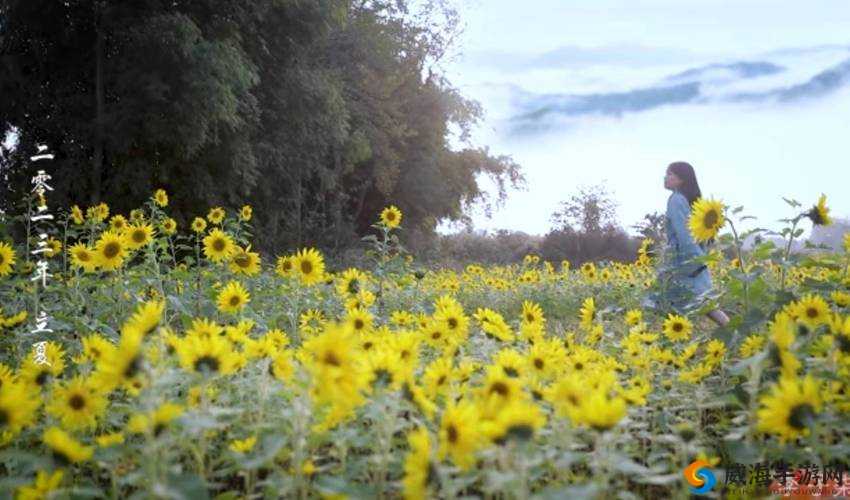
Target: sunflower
[(218, 246), (391, 217), (351, 281), (677, 327), (634, 317), (706, 219), (7, 258), (496, 391), (600, 411), (83, 257), (512, 363), (118, 223), (245, 213), (588, 270), (456, 322), (790, 408), (121, 366), (18, 406), (216, 215), (283, 266), (110, 250), (77, 405), (532, 313), (309, 265), (244, 261), (54, 247), (34, 373), (138, 235), (460, 434), (587, 313), (359, 320), (77, 216), (199, 225), (42, 487), (819, 214), (233, 297), (207, 355), (65, 448), (243, 445), (137, 216), (519, 420), (168, 226), (812, 311), (493, 324), (418, 469), (98, 213), (94, 347), (751, 345), (112, 439), (160, 197), (146, 317)]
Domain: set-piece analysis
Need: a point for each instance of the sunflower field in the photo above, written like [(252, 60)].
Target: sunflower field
[(149, 360)]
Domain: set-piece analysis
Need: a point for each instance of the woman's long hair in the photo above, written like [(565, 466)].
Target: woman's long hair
[(690, 186)]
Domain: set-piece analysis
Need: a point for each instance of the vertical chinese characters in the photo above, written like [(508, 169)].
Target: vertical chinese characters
[(40, 220)]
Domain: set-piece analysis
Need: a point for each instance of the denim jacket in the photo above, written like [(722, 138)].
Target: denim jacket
[(679, 240)]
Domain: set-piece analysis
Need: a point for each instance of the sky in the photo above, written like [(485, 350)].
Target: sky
[(755, 94)]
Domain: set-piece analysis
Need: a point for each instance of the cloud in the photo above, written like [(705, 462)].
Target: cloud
[(825, 82), (738, 70), (571, 56), (706, 84)]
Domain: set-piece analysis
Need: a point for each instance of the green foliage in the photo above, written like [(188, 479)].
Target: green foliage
[(318, 112)]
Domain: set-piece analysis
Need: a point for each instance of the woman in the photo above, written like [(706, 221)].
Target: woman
[(689, 280)]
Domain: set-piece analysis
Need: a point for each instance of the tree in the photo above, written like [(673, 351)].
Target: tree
[(317, 112), (589, 211)]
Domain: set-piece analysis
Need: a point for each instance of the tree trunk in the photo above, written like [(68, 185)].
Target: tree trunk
[(97, 158)]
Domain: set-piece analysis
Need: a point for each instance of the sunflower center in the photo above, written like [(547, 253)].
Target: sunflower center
[(578, 366), (77, 402), (218, 245), (436, 335), (111, 250), (522, 432), (358, 324), (306, 267), (242, 260), (538, 363), (710, 219), (678, 327), (452, 433), (82, 256), (510, 371), (453, 323), (206, 363), (499, 388), (800, 416), (843, 343), (133, 367), (139, 236), (529, 317), (812, 312), (235, 300), (331, 359)]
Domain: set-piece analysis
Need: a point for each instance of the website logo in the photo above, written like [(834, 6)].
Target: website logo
[(700, 477)]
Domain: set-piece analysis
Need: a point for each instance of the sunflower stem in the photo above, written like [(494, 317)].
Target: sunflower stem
[(787, 251)]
